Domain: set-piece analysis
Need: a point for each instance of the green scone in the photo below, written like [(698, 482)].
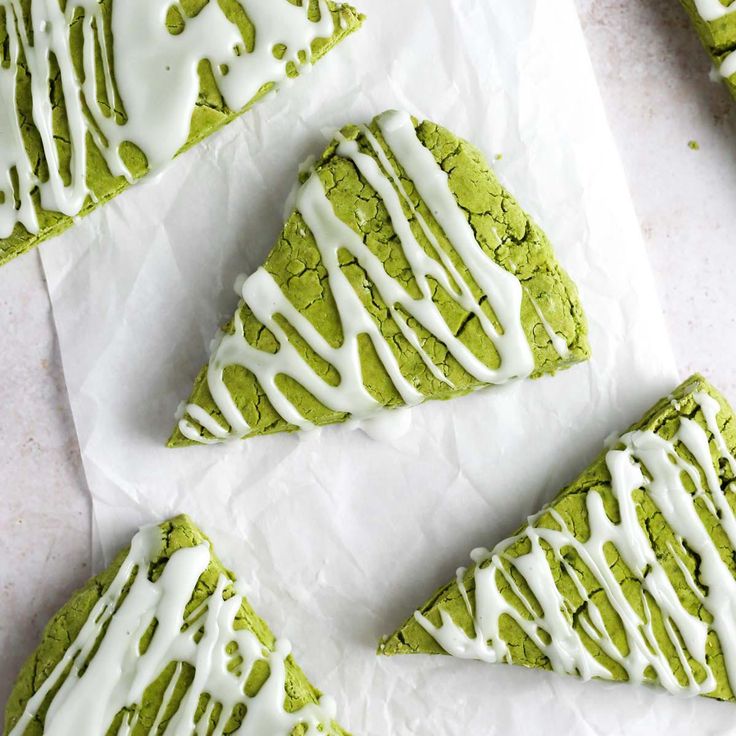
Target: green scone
[(94, 94), (715, 21), (405, 273), (628, 575), (163, 642)]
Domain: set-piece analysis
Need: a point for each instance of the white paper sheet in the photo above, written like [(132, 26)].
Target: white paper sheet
[(338, 536)]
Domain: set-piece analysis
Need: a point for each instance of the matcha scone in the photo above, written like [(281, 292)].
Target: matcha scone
[(406, 272), (628, 575), (163, 642), (94, 94), (715, 21)]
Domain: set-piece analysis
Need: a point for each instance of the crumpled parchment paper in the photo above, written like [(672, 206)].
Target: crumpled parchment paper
[(339, 536)]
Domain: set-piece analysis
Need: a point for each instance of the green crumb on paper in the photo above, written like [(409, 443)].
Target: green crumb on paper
[(693, 145)]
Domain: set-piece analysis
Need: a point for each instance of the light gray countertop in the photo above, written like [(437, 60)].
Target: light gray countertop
[(654, 80)]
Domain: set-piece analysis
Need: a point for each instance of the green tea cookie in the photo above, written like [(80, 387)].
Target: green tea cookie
[(94, 94), (163, 642), (628, 575), (715, 21), (405, 273)]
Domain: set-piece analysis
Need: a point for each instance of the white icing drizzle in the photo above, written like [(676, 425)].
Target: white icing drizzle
[(501, 287), (710, 10), (558, 343), (728, 65), (156, 76), (552, 630), (89, 697), (265, 298)]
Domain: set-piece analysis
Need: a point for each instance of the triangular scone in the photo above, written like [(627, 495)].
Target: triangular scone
[(109, 90), (715, 21), (163, 642), (629, 574), (405, 273)]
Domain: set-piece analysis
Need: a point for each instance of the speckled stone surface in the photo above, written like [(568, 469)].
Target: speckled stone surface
[(45, 511), (653, 75), (654, 79)]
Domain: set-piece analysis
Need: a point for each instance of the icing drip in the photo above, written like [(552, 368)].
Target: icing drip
[(156, 77), (89, 698), (728, 66), (384, 427), (710, 10), (552, 630), (265, 298), (557, 342)]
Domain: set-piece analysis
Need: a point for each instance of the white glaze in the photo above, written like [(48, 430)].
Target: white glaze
[(728, 65), (384, 427), (558, 343), (501, 287), (710, 10), (266, 299), (156, 75), (118, 674), (663, 483)]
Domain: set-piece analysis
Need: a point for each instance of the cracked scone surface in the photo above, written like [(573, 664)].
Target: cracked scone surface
[(72, 162), (627, 575), (717, 31), (253, 674), (388, 234)]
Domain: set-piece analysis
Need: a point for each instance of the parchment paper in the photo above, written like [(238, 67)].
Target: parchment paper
[(338, 536)]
